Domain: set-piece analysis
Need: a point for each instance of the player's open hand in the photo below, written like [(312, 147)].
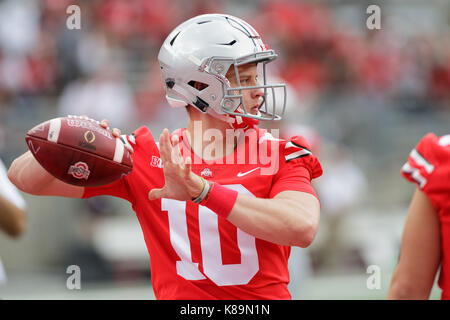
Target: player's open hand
[(180, 182)]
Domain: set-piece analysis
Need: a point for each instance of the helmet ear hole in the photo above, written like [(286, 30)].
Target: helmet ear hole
[(198, 85)]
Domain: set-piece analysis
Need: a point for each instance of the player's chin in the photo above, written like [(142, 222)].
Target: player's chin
[(253, 110)]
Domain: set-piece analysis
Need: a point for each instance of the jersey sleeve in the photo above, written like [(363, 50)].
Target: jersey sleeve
[(119, 188), (428, 166), (298, 166)]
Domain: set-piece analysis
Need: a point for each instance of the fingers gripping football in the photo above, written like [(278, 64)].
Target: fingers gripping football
[(80, 151), (180, 182), (115, 131)]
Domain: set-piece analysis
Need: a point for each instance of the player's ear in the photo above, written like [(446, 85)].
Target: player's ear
[(231, 74), (199, 85)]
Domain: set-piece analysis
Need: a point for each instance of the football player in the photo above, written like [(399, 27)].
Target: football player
[(426, 236), (12, 211), (218, 214), (12, 207)]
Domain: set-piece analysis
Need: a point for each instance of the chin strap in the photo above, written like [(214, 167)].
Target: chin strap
[(236, 122), (243, 122)]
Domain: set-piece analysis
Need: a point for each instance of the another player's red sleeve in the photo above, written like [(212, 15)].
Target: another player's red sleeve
[(298, 166), (428, 166)]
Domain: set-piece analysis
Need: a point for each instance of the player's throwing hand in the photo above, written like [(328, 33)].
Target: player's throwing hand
[(115, 131)]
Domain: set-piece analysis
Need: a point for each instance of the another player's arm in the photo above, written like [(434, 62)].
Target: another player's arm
[(12, 218), (420, 252)]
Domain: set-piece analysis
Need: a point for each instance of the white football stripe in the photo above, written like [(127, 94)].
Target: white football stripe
[(118, 153), (54, 129), (421, 161)]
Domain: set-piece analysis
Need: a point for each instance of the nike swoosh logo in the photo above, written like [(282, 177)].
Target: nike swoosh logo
[(241, 174)]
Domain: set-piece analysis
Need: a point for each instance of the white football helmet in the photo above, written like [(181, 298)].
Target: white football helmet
[(201, 50)]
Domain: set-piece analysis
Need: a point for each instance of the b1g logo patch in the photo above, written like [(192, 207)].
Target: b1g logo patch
[(79, 170), (156, 162)]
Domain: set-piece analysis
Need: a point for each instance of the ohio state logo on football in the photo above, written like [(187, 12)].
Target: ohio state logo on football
[(79, 170)]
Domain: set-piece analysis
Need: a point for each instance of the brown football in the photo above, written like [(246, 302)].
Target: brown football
[(79, 151)]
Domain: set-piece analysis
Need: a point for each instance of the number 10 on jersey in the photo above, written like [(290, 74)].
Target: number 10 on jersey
[(213, 268)]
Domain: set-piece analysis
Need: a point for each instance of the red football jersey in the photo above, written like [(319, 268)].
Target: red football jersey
[(429, 167), (194, 253)]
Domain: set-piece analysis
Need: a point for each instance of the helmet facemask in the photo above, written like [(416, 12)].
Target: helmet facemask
[(232, 102)]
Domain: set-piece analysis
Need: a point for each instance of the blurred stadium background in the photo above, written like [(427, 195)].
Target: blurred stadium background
[(363, 98)]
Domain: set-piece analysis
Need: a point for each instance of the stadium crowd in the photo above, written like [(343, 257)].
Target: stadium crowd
[(109, 68)]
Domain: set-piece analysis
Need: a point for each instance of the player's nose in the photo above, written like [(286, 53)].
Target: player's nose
[(257, 93)]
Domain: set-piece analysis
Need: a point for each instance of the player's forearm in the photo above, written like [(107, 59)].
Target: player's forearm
[(420, 253), (28, 175), (408, 287), (281, 221), (12, 218)]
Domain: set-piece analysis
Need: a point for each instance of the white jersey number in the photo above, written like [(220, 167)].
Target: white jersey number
[(220, 274)]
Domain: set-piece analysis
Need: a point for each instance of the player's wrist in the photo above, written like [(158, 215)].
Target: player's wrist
[(195, 186), (220, 199), (201, 197)]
